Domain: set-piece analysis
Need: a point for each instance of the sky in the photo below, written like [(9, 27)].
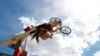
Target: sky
[(82, 16)]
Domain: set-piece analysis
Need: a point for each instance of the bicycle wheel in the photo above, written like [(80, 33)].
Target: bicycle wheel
[(55, 20), (65, 30)]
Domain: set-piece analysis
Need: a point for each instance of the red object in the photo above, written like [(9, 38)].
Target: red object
[(19, 51), (27, 29)]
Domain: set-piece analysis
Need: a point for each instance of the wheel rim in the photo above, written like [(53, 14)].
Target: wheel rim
[(65, 30)]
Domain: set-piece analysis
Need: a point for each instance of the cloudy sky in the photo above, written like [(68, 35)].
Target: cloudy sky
[(82, 16)]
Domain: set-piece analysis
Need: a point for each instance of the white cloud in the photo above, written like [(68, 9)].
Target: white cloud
[(26, 21), (97, 53), (83, 19), (77, 8), (71, 45)]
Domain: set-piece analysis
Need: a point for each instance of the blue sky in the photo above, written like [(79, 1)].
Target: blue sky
[(11, 10), (92, 49)]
